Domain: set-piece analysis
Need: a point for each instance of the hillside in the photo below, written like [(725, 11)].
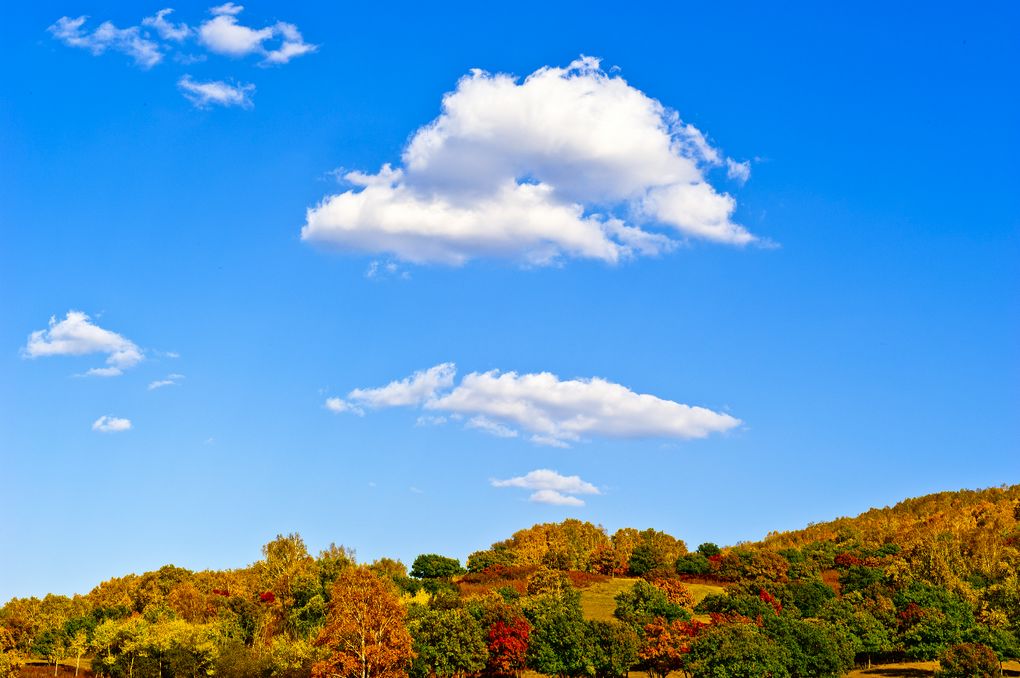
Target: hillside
[(912, 582)]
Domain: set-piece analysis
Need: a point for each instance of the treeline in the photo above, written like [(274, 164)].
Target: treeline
[(934, 577)]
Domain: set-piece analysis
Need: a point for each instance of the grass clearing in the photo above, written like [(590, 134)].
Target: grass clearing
[(598, 600)]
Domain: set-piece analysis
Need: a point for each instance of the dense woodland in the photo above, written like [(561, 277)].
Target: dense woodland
[(933, 578)]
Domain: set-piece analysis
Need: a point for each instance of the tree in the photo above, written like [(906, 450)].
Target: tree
[(708, 549), (815, 649), (643, 602), (10, 659), (693, 563), (676, 592), (78, 645), (558, 643), (665, 645), (365, 633), (546, 580), (968, 660), (736, 651), (447, 643), (614, 648), (868, 635), (508, 646), (435, 566), (810, 595)]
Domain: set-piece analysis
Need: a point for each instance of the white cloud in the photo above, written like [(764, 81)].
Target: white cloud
[(130, 41), (156, 36), (216, 92), (77, 335), (741, 171), (292, 45), (546, 479), (491, 427), (569, 162), (339, 405), (556, 412), (224, 35), (414, 390), (226, 8), (170, 380), (427, 420), (563, 411), (379, 270), (107, 424), (165, 29), (555, 498)]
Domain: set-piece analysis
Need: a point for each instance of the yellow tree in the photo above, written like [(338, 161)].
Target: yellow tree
[(78, 645), (365, 633)]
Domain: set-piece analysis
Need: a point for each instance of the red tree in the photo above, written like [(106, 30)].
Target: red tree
[(508, 645)]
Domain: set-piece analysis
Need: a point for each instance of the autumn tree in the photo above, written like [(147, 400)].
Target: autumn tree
[(10, 660), (507, 646), (676, 592), (665, 644), (365, 634), (968, 660)]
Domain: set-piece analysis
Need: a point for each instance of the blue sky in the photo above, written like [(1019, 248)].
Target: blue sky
[(850, 326)]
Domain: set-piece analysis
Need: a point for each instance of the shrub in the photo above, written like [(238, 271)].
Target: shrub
[(968, 660)]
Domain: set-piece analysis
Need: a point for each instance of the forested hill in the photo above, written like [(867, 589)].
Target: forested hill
[(964, 515), (932, 577)]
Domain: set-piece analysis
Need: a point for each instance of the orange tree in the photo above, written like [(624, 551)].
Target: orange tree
[(365, 632)]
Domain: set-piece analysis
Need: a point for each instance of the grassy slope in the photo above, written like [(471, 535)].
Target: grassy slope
[(597, 601)]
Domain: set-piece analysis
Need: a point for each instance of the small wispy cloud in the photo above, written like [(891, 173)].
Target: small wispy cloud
[(555, 498), (130, 41), (107, 424), (378, 270), (170, 380), (741, 171), (491, 427), (166, 29), (216, 93)]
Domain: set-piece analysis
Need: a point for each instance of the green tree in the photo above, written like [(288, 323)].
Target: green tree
[(613, 647), (736, 651), (435, 566), (809, 596), (446, 643), (559, 643), (868, 635), (815, 649), (643, 603)]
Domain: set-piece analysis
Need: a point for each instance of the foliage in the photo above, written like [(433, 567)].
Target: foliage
[(435, 566), (558, 643), (507, 646), (736, 651), (643, 603), (968, 660), (447, 643), (665, 644), (613, 647), (365, 634), (915, 580)]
